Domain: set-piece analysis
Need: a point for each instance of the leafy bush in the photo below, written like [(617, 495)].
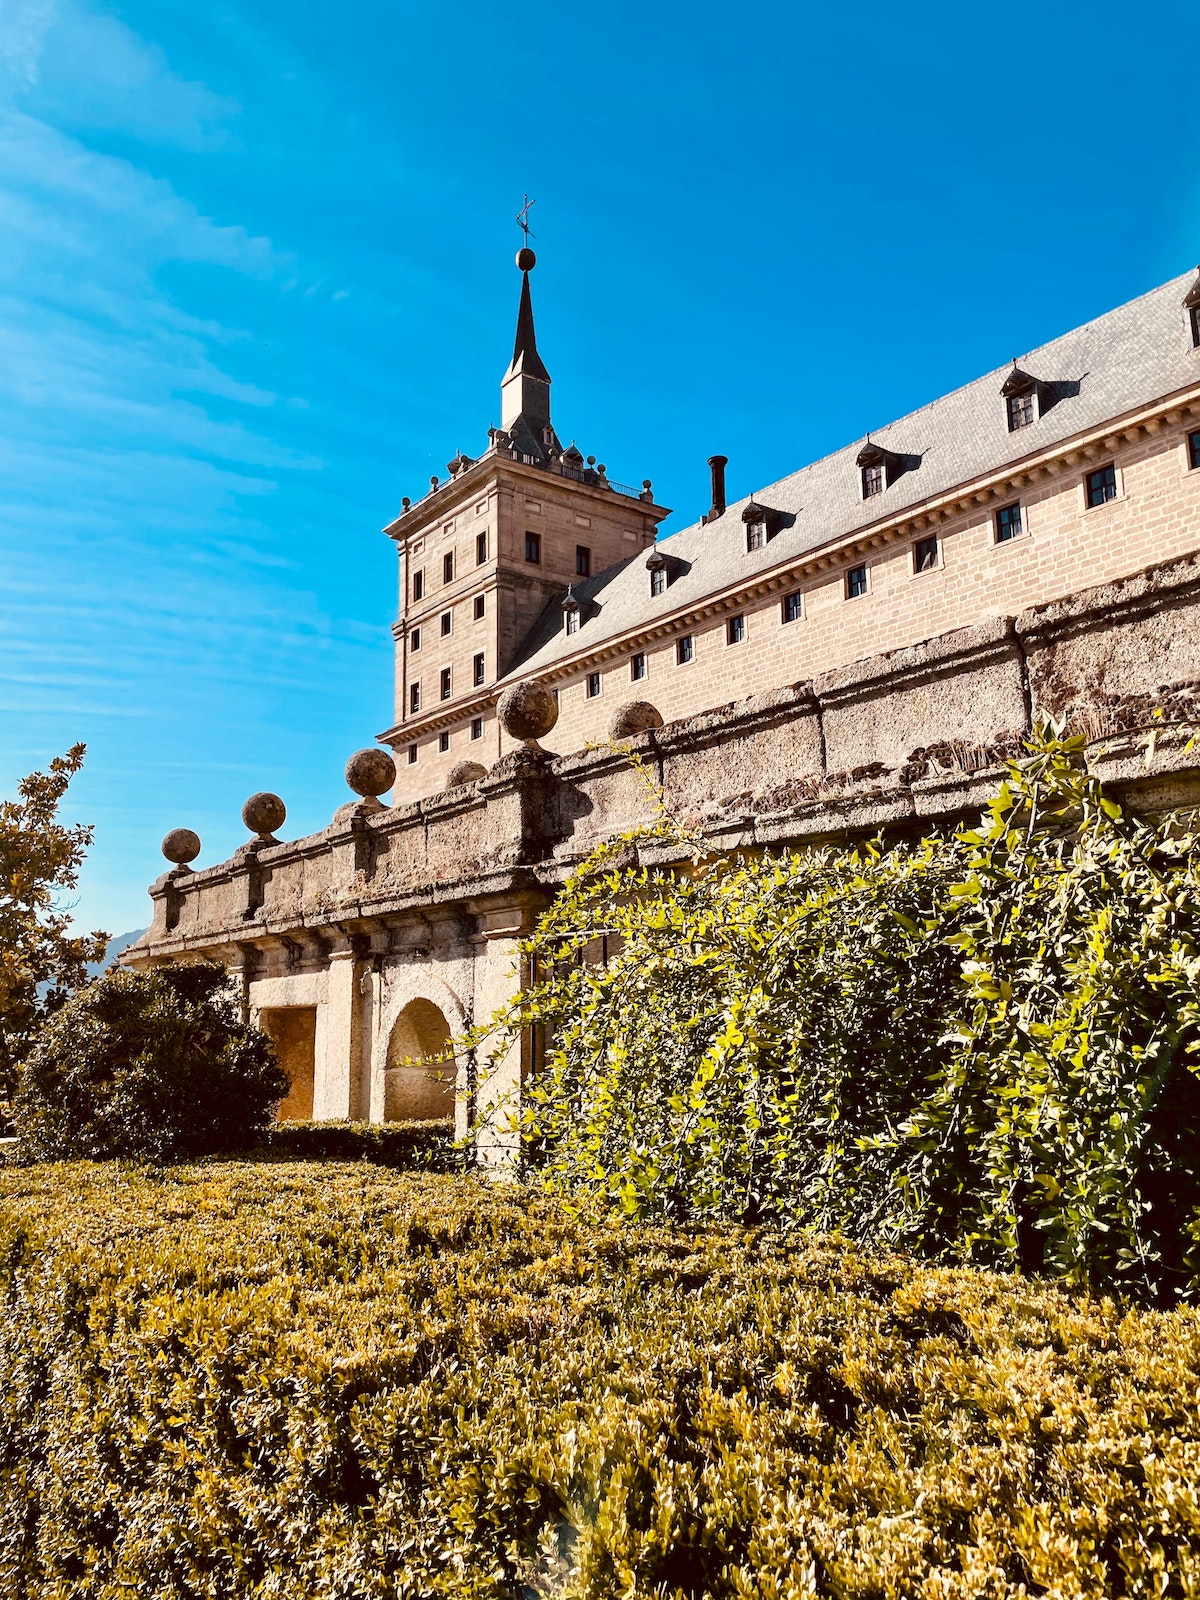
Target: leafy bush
[(427, 1146), (231, 1381), (982, 1044), (41, 961), (154, 1065)]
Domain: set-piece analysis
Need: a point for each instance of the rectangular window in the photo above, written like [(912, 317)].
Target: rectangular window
[(443, 742), (1194, 318), (414, 639), (658, 580), (477, 670), (756, 535), (418, 584), (1194, 445), (735, 630), (872, 481), (637, 667), (1102, 485), (533, 548), (479, 607), (480, 548), (572, 621), (448, 567), (1020, 411), (793, 607), (445, 683), (925, 554), (583, 561), (685, 650), (447, 622), (412, 754), (414, 698), (593, 685), (856, 582), (1008, 524), (477, 727)]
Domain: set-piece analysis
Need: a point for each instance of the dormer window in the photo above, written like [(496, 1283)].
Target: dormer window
[(762, 524), (1021, 395), (571, 621), (570, 608), (880, 468), (656, 564), (1191, 305)]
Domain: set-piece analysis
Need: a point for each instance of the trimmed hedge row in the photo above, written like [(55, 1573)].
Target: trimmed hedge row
[(427, 1146), (239, 1380)]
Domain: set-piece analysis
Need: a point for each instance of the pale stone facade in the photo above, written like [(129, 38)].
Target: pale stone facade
[(822, 712)]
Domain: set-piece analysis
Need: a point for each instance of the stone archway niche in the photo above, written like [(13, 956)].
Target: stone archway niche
[(293, 1032), (424, 1087)]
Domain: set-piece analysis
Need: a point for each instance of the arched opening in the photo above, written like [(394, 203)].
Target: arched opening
[(293, 1032), (422, 1087)]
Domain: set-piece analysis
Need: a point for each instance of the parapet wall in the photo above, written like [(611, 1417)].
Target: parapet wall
[(897, 740)]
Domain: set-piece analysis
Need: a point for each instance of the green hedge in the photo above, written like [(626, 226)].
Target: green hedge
[(332, 1380), (427, 1146)]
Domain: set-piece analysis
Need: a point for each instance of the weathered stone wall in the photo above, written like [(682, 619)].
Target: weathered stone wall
[(427, 901)]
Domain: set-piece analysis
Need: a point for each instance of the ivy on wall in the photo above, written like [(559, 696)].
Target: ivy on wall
[(982, 1046)]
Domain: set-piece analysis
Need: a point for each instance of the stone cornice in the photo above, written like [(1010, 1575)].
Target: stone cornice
[(449, 496)]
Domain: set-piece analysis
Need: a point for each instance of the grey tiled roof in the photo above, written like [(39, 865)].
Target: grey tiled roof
[(1128, 358)]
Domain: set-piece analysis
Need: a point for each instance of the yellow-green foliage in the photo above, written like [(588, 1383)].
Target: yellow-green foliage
[(310, 1381)]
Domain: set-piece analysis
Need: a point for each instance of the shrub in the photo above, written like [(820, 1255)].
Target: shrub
[(327, 1381), (153, 1065), (412, 1146), (983, 1044)]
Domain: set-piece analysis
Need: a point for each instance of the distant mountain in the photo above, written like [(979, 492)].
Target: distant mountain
[(115, 946)]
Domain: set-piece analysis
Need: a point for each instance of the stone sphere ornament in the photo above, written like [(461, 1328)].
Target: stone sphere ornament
[(526, 259), (180, 846), (527, 711), (263, 813), (465, 772), (636, 716), (370, 772)]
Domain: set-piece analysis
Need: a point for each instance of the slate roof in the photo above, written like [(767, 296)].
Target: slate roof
[(1130, 357)]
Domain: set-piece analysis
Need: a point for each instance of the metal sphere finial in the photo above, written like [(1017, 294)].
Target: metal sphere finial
[(526, 259)]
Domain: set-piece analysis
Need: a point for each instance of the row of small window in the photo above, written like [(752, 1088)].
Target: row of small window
[(444, 740), (446, 622), (446, 684), (417, 584), (533, 554)]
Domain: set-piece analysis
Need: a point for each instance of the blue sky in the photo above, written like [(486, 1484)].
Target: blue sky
[(256, 283)]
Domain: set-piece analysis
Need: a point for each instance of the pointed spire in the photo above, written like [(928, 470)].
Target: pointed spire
[(525, 387), (525, 351)]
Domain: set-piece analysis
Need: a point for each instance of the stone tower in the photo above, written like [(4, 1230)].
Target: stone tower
[(484, 555)]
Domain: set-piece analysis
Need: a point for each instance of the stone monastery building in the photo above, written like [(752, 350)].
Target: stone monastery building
[(853, 647)]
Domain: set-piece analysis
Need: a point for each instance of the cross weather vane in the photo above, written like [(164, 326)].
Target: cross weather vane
[(523, 219)]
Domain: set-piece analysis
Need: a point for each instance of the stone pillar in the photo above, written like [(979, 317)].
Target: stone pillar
[(337, 1085), (501, 972)]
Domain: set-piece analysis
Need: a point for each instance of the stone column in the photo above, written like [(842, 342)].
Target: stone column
[(337, 1083), (501, 972)]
